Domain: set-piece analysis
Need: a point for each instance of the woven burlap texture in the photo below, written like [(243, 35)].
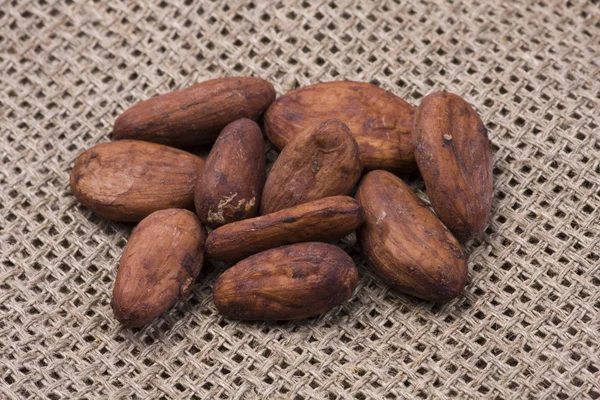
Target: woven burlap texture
[(527, 324)]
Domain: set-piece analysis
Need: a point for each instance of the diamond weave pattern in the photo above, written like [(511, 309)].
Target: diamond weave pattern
[(528, 323)]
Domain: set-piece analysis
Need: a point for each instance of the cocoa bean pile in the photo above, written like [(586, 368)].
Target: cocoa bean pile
[(277, 229)]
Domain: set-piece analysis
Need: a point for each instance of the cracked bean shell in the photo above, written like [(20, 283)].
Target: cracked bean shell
[(323, 161), (128, 180), (405, 243), (454, 156), (231, 182), (159, 265), (195, 115), (380, 121), (290, 282)]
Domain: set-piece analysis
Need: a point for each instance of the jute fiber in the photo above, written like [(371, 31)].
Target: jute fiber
[(528, 323)]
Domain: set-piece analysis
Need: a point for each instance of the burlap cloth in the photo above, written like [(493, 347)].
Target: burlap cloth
[(527, 325)]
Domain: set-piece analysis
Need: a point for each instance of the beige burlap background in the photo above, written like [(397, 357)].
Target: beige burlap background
[(527, 325)]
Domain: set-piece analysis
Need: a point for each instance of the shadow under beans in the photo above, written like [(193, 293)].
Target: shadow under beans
[(456, 306), (332, 319)]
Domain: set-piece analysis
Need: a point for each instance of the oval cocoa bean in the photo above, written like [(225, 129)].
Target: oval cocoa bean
[(380, 121), (325, 219), (321, 162), (454, 156), (231, 183), (130, 179), (195, 115), (289, 282), (159, 266), (405, 243)]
